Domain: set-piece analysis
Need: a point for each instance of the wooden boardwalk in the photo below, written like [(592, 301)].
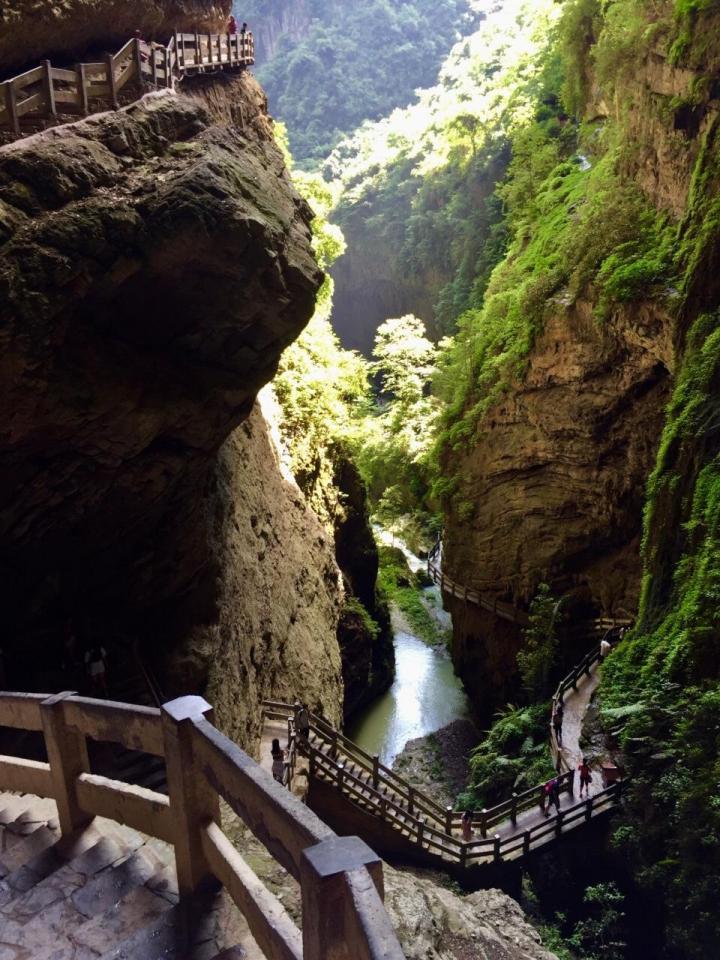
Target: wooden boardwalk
[(47, 93), (504, 833)]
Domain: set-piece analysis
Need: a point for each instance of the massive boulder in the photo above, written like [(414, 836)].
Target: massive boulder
[(154, 263)]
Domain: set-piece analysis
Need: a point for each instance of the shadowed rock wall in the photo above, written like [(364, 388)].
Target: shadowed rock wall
[(154, 263)]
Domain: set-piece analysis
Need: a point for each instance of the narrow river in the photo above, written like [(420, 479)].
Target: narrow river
[(425, 696)]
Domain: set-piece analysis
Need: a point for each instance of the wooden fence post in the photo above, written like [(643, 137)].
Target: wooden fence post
[(483, 823), (49, 89), (82, 88), (68, 758), (526, 843), (513, 810), (448, 820), (11, 105), (110, 71), (340, 776), (375, 771), (198, 50), (137, 56), (209, 43), (420, 830), (559, 822), (496, 848), (193, 802), (588, 808), (326, 900)]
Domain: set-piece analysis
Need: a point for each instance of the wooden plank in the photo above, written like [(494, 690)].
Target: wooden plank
[(96, 91), (274, 932), (125, 51), (36, 102), (274, 815), (95, 69), (21, 710), (67, 97), (135, 727), (25, 776), (67, 76), (126, 803), (129, 71), (26, 79)]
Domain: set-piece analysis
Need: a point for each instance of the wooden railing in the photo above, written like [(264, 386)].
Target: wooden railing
[(506, 611), (431, 828), (340, 877), (47, 91)]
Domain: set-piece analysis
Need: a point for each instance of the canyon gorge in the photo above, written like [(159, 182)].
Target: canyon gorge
[(430, 275)]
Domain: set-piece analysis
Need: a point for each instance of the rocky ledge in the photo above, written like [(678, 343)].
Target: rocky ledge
[(154, 263)]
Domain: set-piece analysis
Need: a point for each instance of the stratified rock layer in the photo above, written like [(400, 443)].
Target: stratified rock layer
[(556, 482)]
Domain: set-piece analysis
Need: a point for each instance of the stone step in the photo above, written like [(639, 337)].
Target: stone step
[(196, 930), (34, 843)]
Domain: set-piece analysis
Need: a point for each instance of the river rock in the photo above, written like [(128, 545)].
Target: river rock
[(434, 923)]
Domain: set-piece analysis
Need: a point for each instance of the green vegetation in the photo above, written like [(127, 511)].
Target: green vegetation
[(539, 654), (399, 585), (513, 756), (352, 61), (600, 937), (501, 194)]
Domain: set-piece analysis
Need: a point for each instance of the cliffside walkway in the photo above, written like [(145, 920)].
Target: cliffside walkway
[(504, 833), (500, 608), (48, 93), (68, 871)]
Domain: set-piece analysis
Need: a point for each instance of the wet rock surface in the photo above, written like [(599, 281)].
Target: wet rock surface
[(438, 763)]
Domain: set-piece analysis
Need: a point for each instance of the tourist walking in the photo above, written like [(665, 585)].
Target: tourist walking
[(278, 761), (466, 826), (585, 777), (557, 722), (232, 26), (605, 647), (302, 721), (551, 795), (96, 668)]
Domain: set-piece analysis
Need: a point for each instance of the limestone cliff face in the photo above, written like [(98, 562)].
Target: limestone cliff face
[(275, 590), (69, 28), (556, 482), (154, 262), (554, 489), (280, 18)]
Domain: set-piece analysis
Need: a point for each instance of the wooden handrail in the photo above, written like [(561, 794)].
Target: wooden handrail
[(202, 765), (45, 91), (393, 800)]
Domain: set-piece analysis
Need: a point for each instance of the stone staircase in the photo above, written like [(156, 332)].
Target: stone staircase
[(104, 893)]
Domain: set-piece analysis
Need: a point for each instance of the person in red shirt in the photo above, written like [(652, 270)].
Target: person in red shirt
[(232, 26), (585, 777)]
